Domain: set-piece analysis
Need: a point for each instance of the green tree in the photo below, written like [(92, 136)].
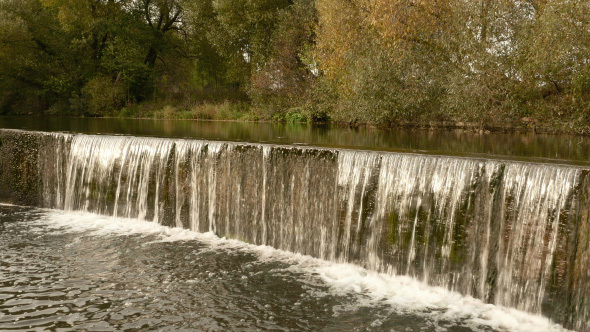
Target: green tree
[(284, 79), (36, 67)]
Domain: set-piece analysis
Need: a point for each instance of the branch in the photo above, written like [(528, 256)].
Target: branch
[(174, 19), (147, 12), (103, 43), (160, 21)]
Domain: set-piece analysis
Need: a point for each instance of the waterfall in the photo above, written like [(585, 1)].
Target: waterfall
[(511, 233)]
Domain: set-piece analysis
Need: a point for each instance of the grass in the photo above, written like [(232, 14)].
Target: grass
[(203, 111)]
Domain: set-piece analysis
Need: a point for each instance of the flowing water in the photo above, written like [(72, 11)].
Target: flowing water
[(513, 234), (84, 272)]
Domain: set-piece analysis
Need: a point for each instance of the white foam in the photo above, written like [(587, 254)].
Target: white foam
[(99, 225), (404, 294)]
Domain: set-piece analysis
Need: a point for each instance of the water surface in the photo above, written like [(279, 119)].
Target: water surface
[(77, 271), (521, 146)]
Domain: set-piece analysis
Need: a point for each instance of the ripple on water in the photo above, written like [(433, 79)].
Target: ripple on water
[(55, 277)]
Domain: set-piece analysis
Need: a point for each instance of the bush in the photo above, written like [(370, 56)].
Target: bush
[(167, 112), (233, 111), (103, 96), (130, 111), (296, 115)]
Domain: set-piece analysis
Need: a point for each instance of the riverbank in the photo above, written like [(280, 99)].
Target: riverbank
[(245, 112)]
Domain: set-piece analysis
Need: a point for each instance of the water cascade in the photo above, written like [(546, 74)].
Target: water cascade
[(511, 233)]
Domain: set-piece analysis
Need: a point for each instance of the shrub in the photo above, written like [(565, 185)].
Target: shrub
[(103, 96), (296, 115)]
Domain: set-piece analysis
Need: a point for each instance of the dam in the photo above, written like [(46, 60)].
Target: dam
[(510, 233)]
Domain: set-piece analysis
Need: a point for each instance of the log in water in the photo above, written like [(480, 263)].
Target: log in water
[(510, 233)]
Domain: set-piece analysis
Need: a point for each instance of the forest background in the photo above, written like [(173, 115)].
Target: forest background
[(381, 62)]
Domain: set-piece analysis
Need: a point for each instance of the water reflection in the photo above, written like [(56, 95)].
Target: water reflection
[(527, 146)]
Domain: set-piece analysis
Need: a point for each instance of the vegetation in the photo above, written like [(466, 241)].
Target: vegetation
[(383, 62)]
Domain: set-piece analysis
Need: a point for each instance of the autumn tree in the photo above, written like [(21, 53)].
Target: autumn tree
[(480, 61), (385, 62), (377, 66), (554, 60)]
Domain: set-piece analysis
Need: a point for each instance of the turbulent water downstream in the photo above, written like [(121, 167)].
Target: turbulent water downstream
[(63, 271), (514, 234)]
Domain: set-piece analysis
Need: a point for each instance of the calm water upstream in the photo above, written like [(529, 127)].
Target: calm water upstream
[(64, 271), (520, 146)]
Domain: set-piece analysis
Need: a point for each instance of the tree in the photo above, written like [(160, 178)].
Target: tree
[(378, 67), (161, 16), (34, 62), (284, 79)]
